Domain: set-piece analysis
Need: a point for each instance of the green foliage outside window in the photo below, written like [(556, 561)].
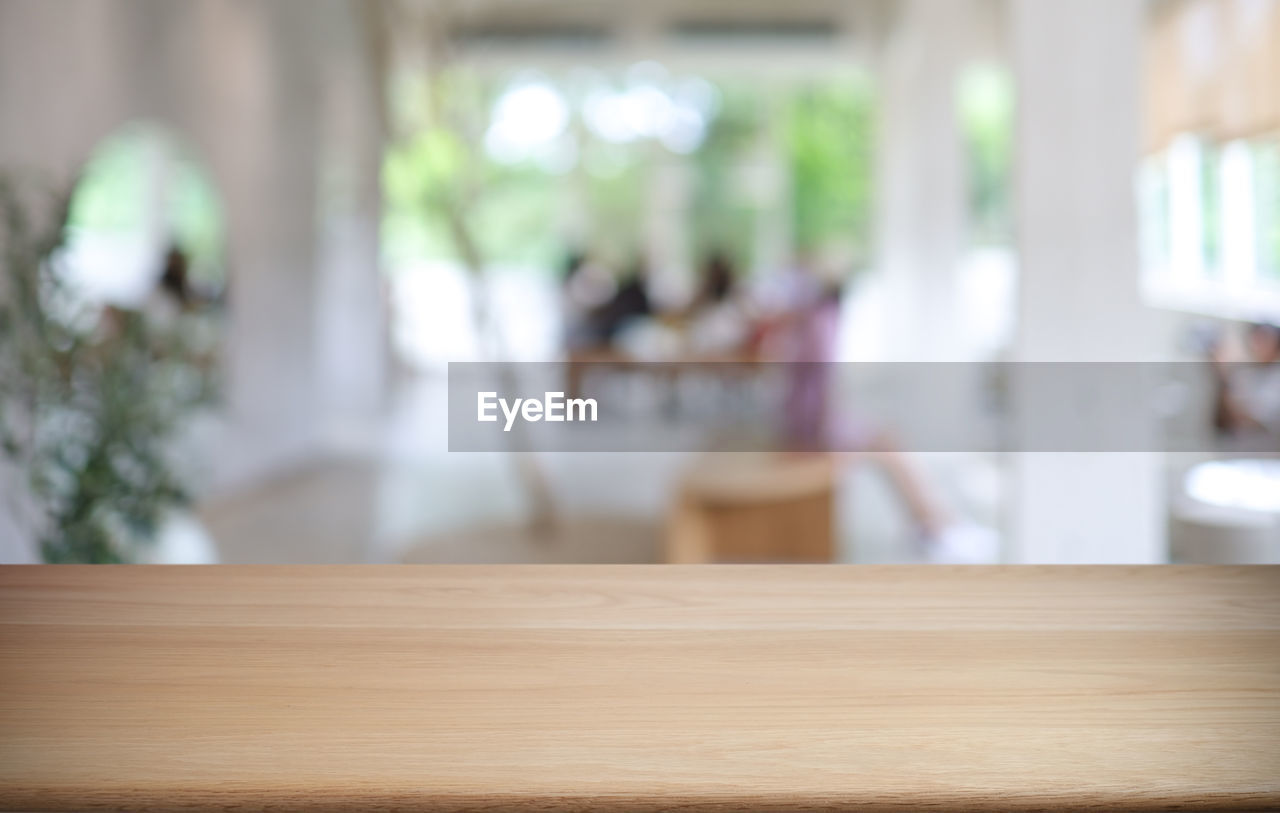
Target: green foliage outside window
[(985, 102), (830, 145), (824, 135), (438, 169), (719, 218)]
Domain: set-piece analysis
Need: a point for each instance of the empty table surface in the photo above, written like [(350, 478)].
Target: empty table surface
[(639, 688)]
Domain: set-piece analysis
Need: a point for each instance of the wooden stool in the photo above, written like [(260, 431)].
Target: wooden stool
[(768, 508)]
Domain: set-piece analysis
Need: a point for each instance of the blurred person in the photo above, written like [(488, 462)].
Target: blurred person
[(799, 326), (180, 319), (712, 327), (716, 320), (804, 334), (1247, 403), (586, 285), (716, 284), (172, 295), (629, 303), (169, 299)]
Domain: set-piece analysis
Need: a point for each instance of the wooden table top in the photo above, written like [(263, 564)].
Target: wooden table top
[(639, 688)]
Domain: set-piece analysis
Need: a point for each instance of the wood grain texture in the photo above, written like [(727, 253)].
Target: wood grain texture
[(640, 688)]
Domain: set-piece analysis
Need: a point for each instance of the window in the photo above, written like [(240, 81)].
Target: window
[(985, 101), (1266, 173), (1209, 226), (1210, 183)]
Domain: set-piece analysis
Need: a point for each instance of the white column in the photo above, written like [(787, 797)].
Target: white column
[(1077, 66), (921, 179), (266, 165), (351, 353), (666, 226)]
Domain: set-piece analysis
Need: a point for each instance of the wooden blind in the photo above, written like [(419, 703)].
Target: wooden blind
[(1212, 67)]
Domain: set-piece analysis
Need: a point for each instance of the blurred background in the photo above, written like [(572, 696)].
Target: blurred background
[(243, 239)]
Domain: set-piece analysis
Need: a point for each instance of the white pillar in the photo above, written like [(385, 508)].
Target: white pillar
[(352, 353), (1077, 67), (921, 179), (666, 226), (259, 125)]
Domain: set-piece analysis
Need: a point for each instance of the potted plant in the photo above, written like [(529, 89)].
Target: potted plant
[(90, 396)]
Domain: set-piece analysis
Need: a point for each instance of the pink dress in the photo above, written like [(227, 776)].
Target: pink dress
[(809, 350)]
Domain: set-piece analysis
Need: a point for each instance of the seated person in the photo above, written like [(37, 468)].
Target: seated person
[(587, 286), (802, 330), (716, 320), (1248, 396), (629, 302)]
